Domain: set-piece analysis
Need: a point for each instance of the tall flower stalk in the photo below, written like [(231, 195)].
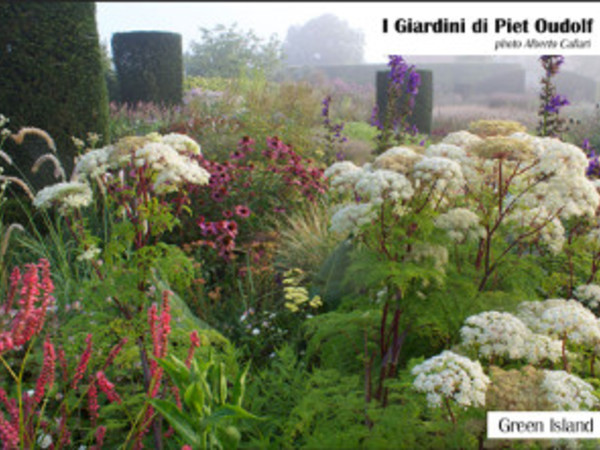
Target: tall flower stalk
[(334, 131), (402, 90), (550, 123)]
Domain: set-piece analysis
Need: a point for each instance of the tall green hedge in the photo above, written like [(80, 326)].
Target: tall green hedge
[(51, 78), (422, 115), (149, 66)]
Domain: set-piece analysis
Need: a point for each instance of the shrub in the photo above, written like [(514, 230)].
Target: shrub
[(149, 66), (51, 77)]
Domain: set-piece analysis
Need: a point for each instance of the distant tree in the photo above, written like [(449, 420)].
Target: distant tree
[(224, 52), (326, 39)]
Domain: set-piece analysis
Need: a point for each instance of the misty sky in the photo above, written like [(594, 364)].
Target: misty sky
[(268, 18), (264, 18)]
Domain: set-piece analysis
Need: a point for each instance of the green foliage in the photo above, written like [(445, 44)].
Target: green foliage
[(361, 131), (211, 409), (52, 79), (272, 393), (218, 84), (227, 52), (324, 40), (149, 66), (336, 339)]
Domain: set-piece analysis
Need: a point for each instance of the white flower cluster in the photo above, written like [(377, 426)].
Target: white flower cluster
[(343, 176), (451, 376), (551, 231), (423, 251), (398, 159), (562, 318), (182, 143), (380, 185), (568, 392), (445, 172), (573, 196), (167, 155), (494, 333), (351, 216), (561, 158), (67, 195), (461, 224), (90, 254), (543, 347), (172, 167), (340, 167), (530, 312), (462, 139), (588, 294), (446, 150)]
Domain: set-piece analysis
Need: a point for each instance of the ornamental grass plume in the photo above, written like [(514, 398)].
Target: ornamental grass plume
[(6, 237), (20, 136), (19, 183), (59, 172), (305, 240)]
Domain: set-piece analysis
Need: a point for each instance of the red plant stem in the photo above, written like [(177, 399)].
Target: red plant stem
[(452, 417)]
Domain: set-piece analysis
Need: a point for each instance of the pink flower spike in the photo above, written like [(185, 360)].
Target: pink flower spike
[(100, 433), (83, 362), (9, 434), (107, 387), (194, 344), (114, 352), (46, 377), (93, 406)]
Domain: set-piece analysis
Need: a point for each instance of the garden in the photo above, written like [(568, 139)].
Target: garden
[(283, 265)]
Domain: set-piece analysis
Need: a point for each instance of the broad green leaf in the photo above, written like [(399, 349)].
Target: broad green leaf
[(194, 398), (239, 387), (180, 422), (176, 369), (228, 412)]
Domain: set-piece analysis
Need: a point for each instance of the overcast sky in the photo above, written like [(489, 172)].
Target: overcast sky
[(265, 18), (268, 18)]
